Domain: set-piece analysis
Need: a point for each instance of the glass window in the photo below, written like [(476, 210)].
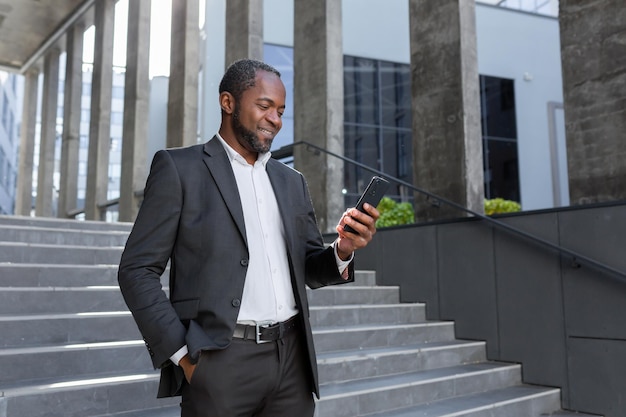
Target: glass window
[(498, 107), (499, 132), (361, 101), (5, 110), (395, 94), (117, 92), (377, 119), (362, 145), (117, 118), (2, 162)]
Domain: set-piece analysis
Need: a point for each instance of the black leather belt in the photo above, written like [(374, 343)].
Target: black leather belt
[(265, 332)]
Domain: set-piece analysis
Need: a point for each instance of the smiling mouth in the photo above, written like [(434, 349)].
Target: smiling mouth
[(266, 132)]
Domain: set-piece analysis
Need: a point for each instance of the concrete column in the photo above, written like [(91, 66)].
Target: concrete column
[(136, 109), (50, 98), (318, 103), (244, 30), (593, 56), (100, 122), (182, 105), (447, 144), (68, 185), (24, 194), (212, 67)]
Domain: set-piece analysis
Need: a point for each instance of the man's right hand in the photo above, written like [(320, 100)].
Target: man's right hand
[(188, 367)]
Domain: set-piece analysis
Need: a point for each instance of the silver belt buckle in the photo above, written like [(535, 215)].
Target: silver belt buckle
[(259, 326)]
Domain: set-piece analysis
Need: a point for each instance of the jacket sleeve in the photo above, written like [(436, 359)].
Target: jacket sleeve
[(321, 265), (145, 258)]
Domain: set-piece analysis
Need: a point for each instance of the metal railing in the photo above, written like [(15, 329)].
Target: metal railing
[(576, 259)]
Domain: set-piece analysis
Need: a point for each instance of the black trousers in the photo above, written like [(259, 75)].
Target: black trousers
[(251, 380)]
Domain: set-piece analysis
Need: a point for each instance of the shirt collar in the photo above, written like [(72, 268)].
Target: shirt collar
[(233, 155)]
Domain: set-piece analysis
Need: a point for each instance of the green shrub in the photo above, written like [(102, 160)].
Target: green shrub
[(393, 213), (500, 205)]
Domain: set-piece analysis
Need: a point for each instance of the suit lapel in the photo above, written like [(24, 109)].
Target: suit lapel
[(216, 160)]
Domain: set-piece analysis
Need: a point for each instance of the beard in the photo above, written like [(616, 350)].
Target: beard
[(247, 137)]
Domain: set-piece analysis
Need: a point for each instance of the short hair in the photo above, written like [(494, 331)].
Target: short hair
[(241, 75)]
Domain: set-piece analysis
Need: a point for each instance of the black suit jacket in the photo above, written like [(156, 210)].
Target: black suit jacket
[(191, 215)]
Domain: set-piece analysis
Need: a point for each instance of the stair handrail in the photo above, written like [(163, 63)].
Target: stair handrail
[(577, 259)]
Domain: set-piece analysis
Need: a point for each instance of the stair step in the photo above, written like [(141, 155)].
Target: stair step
[(53, 275), (349, 294), (49, 329), (53, 300), (515, 401), (324, 316), (352, 365), (18, 252), (172, 411), (63, 223), (363, 278), (371, 395), (33, 363), (95, 395), (360, 337), (56, 236)]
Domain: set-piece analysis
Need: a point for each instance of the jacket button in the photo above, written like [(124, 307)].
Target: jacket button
[(236, 302), (244, 262)]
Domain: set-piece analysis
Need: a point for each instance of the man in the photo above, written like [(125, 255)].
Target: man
[(239, 230)]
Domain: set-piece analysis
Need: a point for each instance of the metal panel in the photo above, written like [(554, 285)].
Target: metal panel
[(594, 300), (410, 260), (530, 305), (597, 371), (467, 281), (597, 232)]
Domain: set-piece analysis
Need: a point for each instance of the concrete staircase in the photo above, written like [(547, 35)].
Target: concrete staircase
[(69, 347)]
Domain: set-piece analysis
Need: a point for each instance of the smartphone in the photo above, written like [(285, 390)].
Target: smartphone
[(372, 195)]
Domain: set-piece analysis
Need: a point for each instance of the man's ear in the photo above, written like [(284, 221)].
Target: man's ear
[(227, 102)]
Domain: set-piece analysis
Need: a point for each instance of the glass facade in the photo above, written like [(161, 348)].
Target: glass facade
[(377, 122), (377, 125)]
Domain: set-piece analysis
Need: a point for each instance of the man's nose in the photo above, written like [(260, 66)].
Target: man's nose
[(274, 117)]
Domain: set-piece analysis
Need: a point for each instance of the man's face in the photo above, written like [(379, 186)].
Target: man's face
[(257, 114)]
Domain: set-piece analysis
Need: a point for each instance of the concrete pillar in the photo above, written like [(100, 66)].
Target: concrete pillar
[(447, 144), (100, 122), (45, 172), (24, 194), (136, 109), (318, 103), (68, 185), (212, 67), (593, 56), (244, 30), (182, 105)]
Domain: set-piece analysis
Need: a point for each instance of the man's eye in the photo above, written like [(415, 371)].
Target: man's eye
[(280, 114)]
